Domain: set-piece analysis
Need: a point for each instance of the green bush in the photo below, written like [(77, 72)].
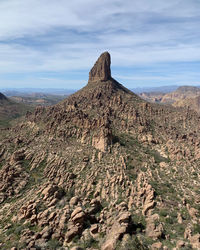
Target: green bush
[(169, 220), (163, 212), (91, 242), (53, 244), (196, 229), (132, 244)]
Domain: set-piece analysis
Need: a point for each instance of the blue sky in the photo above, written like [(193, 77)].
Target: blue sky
[(54, 43)]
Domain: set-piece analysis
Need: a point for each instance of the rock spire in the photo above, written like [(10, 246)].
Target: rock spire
[(101, 69)]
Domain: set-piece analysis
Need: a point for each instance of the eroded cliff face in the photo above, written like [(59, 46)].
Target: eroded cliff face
[(101, 170)]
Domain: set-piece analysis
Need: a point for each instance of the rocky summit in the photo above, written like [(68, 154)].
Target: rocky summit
[(101, 70), (102, 169)]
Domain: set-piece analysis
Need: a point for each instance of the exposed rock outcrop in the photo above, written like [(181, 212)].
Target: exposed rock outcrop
[(101, 70)]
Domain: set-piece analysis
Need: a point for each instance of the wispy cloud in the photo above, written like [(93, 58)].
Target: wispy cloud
[(38, 37)]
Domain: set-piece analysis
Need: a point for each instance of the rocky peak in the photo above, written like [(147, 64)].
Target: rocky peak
[(101, 69)]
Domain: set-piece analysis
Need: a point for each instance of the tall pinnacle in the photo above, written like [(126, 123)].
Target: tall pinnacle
[(101, 69)]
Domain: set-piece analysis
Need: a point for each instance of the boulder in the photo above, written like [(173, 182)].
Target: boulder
[(78, 215), (195, 241)]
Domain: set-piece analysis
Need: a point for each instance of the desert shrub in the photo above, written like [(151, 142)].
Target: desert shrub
[(53, 244), (163, 212), (132, 244), (196, 229), (91, 242), (169, 220)]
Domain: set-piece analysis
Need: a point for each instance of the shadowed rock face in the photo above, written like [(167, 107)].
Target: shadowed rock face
[(2, 97), (101, 70)]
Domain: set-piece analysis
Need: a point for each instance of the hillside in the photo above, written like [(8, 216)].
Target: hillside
[(103, 169), (189, 103), (181, 93), (185, 96), (35, 99), (152, 96), (10, 110)]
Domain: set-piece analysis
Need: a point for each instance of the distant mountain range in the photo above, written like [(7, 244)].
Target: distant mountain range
[(27, 91), (30, 91), (162, 89)]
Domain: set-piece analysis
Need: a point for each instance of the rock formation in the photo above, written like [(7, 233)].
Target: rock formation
[(101, 70)]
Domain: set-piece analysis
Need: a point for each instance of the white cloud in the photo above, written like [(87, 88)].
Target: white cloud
[(58, 35), (19, 18)]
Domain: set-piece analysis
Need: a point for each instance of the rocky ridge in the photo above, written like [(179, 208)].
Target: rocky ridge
[(185, 96), (103, 169), (181, 93)]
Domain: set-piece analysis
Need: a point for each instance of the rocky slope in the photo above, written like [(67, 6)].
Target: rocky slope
[(189, 103), (103, 169)]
